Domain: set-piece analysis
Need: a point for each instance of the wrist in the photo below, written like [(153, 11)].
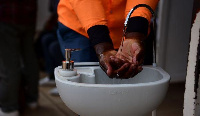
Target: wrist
[(99, 34), (102, 48), (136, 36)]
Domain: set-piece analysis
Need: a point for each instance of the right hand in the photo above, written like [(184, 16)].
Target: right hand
[(133, 51)]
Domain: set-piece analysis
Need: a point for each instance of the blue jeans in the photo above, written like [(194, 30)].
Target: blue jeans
[(71, 39)]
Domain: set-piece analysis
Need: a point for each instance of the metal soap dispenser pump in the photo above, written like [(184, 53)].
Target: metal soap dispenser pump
[(68, 65)]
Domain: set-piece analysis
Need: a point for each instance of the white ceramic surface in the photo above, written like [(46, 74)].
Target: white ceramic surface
[(92, 93)]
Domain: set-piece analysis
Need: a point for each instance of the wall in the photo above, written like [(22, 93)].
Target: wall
[(42, 14), (174, 23)]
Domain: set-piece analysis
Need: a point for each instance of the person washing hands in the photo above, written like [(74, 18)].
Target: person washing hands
[(96, 27)]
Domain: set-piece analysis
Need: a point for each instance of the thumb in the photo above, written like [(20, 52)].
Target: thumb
[(135, 51), (109, 69)]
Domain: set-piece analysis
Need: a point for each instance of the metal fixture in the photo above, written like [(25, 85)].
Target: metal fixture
[(68, 64)]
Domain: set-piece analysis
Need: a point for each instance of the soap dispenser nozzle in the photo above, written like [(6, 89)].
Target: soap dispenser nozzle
[(68, 64)]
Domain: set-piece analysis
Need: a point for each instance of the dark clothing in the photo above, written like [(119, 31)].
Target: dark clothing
[(18, 11), (17, 63), (52, 53), (49, 42), (17, 58), (53, 6), (68, 38)]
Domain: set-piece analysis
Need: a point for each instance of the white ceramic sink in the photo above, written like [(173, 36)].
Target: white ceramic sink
[(93, 93)]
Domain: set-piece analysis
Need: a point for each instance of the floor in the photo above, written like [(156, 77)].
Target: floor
[(49, 106), (53, 106), (173, 103)]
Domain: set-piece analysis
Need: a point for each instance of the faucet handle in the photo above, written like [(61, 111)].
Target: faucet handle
[(68, 53)]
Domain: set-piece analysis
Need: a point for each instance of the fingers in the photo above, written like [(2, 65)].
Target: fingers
[(118, 68), (131, 72), (112, 64), (123, 69), (136, 71), (109, 69), (117, 62), (135, 51), (105, 66)]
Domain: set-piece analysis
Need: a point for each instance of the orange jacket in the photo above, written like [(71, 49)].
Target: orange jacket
[(80, 15)]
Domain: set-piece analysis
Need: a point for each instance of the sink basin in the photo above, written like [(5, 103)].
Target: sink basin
[(92, 93)]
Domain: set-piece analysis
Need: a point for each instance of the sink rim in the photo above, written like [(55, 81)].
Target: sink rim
[(165, 78)]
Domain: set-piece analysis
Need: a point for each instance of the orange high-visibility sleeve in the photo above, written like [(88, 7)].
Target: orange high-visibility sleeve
[(80, 15), (89, 12), (142, 12)]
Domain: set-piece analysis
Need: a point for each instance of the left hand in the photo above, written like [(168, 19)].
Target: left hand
[(125, 63), (133, 52)]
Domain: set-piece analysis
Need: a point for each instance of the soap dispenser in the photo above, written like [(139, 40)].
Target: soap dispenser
[(68, 65)]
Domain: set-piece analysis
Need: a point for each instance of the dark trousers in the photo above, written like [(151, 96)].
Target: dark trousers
[(17, 63)]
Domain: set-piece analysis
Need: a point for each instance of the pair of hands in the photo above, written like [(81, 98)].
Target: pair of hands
[(127, 61)]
